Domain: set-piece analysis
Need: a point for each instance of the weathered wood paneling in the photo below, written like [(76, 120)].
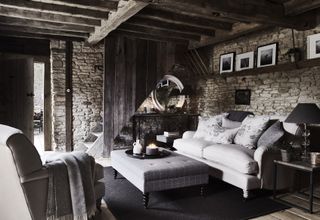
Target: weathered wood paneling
[(132, 69)]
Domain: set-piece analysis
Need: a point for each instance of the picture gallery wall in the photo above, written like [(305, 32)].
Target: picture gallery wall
[(265, 55)]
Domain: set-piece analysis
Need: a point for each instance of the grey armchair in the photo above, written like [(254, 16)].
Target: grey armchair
[(24, 180)]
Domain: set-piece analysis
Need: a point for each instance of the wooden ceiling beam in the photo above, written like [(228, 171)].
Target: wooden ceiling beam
[(42, 31), (261, 11), (102, 5), (295, 7), (53, 8), (44, 24), (169, 26), (176, 18), (126, 10), (149, 37), (38, 36), (157, 32), (44, 16)]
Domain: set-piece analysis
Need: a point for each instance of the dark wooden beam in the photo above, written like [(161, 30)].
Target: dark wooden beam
[(48, 25), (68, 94), (126, 10), (239, 30), (54, 8), (157, 32), (91, 4), (44, 16), (38, 36), (295, 7), (33, 30), (149, 37), (166, 16), (181, 28), (263, 11)]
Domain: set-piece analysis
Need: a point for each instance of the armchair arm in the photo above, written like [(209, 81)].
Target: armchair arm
[(37, 175), (265, 156), (188, 134)]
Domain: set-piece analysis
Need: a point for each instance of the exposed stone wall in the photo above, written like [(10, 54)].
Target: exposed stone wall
[(274, 93), (87, 90), (58, 57)]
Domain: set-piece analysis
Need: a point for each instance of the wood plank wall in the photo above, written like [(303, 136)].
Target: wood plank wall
[(132, 69)]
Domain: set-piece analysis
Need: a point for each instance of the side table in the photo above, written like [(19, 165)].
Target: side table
[(297, 165)]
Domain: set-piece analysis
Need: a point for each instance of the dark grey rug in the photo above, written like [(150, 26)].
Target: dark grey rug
[(222, 201)]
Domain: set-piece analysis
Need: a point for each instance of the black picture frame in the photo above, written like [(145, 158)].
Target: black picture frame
[(242, 97), (227, 62), (267, 55)]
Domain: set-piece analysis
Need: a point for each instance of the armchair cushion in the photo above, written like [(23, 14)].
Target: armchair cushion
[(188, 134), (192, 146)]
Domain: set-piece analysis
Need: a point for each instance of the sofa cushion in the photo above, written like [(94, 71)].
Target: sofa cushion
[(205, 124), (227, 123), (221, 135), (250, 130), (272, 135), (192, 146), (238, 115), (234, 156)]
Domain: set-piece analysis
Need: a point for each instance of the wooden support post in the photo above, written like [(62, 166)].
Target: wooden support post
[(68, 92)]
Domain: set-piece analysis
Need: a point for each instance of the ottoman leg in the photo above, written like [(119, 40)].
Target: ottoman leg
[(145, 200), (203, 190), (115, 174)]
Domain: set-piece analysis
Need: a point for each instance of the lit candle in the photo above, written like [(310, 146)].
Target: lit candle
[(152, 149)]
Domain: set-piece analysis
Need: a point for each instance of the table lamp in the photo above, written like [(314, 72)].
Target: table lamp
[(304, 114)]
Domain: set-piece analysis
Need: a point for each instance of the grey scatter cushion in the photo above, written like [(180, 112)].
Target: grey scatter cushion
[(250, 130), (272, 135), (226, 123)]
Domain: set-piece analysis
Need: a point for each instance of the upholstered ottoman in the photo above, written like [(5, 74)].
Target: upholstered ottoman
[(149, 175)]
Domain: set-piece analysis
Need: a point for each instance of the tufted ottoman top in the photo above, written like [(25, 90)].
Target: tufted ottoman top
[(173, 166)]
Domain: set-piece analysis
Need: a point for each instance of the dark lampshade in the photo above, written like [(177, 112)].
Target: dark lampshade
[(174, 92), (304, 113), (187, 90)]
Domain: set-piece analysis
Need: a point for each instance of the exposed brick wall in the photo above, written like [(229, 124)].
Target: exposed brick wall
[(87, 90), (274, 93)]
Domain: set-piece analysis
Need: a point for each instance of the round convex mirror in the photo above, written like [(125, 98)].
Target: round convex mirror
[(167, 94)]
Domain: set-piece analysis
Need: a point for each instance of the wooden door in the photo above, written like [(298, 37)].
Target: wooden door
[(16, 94)]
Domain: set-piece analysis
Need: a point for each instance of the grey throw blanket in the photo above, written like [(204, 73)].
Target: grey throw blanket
[(71, 188)]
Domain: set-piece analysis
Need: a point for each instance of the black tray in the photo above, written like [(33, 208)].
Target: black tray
[(162, 153)]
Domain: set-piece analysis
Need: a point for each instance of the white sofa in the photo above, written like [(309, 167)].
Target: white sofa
[(245, 168)]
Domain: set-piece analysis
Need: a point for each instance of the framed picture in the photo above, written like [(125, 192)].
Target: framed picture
[(243, 97), (226, 62), (244, 61), (313, 46), (267, 55)]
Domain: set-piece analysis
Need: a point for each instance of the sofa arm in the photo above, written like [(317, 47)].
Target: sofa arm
[(188, 134), (37, 175), (265, 157)]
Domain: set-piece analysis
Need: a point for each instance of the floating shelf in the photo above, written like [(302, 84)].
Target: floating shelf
[(276, 68)]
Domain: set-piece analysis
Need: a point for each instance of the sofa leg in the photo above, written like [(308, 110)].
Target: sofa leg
[(145, 200), (245, 194), (115, 173)]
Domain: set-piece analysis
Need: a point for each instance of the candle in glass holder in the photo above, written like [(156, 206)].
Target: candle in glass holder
[(152, 149)]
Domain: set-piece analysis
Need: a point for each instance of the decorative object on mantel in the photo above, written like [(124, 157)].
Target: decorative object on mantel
[(313, 46), (227, 63), (267, 55), (137, 147), (162, 98), (304, 114), (244, 61), (242, 96), (315, 158), (294, 54)]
